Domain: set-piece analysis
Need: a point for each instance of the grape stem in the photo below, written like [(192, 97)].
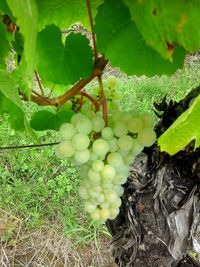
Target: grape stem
[(92, 29), (103, 100), (39, 82), (92, 100), (60, 100)]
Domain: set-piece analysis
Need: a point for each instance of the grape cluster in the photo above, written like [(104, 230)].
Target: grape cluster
[(112, 94), (104, 153)]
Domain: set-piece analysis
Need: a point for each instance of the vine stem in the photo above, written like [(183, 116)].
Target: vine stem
[(42, 97), (39, 82), (91, 98), (60, 100), (103, 100), (92, 29), (28, 146)]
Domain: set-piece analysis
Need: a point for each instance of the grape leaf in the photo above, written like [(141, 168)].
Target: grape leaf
[(185, 129), (63, 64), (167, 22), (26, 14), (4, 44), (4, 8), (121, 42), (44, 119), (8, 88), (16, 115), (65, 13)]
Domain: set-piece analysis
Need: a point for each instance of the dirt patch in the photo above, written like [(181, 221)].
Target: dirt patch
[(49, 248)]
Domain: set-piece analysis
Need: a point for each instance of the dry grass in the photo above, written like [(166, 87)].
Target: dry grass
[(47, 248)]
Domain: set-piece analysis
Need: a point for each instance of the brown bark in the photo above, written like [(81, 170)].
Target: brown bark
[(159, 218)]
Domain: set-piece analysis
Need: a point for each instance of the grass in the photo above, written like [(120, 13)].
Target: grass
[(140, 92), (39, 192)]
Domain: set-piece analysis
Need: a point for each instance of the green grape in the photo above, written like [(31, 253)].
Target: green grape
[(95, 215), (83, 125), (98, 124), (89, 207), (116, 204), (64, 150), (94, 177), (94, 201), (101, 198), (104, 214), (113, 213), (82, 156), (83, 192), (114, 159), (135, 125), (80, 141), (105, 205), (106, 185), (67, 105), (76, 117), (84, 170), (113, 144), (117, 95), (129, 158), (123, 153), (111, 82), (93, 194), (67, 131), (114, 104), (125, 142), (100, 147), (147, 120), (97, 165), (124, 170), (126, 116), (95, 188), (111, 197), (119, 190), (147, 137), (116, 116), (119, 179), (137, 147), (85, 108), (120, 129), (108, 172), (107, 93), (93, 156), (85, 182), (90, 114), (96, 90), (107, 133)]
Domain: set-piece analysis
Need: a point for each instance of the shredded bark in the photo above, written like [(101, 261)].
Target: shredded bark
[(159, 220)]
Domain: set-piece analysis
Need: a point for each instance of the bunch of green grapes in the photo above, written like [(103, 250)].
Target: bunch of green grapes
[(105, 154), (112, 94)]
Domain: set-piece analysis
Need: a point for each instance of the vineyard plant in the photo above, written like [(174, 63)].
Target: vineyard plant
[(139, 179)]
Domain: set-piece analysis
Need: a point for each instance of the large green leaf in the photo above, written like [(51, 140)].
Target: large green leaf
[(164, 22), (4, 9), (63, 64), (44, 119), (64, 13), (16, 115), (10, 102), (8, 88), (121, 42), (4, 44), (26, 15), (185, 129)]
